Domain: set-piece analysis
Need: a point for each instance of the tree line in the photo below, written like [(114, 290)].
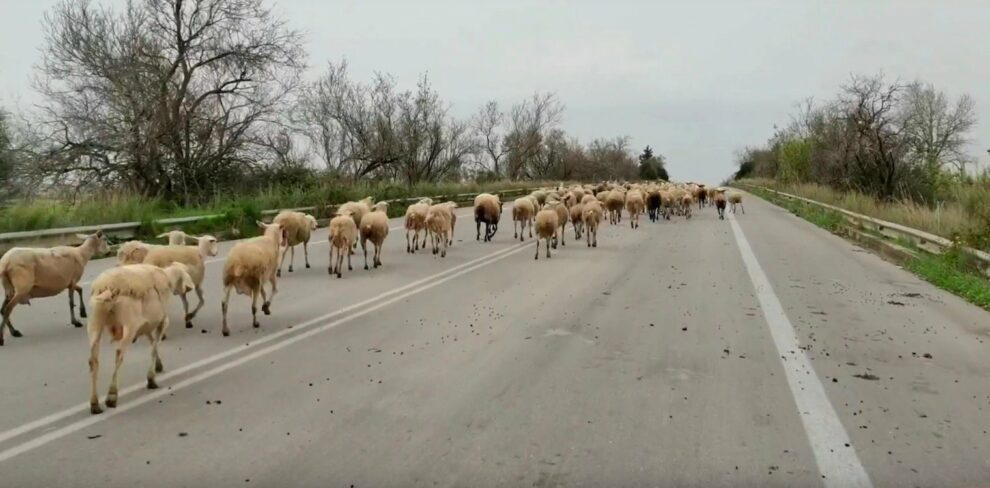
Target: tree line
[(889, 139), (181, 99)]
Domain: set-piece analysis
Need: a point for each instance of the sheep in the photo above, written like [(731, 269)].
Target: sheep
[(523, 212), (562, 217), (735, 198), (588, 197), (29, 273), (686, 201), (438, 223), (298, 228), (701, 195), (576, 212), (416, 223), (634, 205), (541, 198), (374, 227), (451, 207), (653, 204), (667, 204), (194, 259), (130, 301), (593, 213), (719, 201), (250, 263), (614, 202), (357, 209), (546, 229), (343, 234), (487, 209)]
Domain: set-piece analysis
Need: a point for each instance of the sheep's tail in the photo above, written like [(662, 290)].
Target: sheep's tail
[(102, 307), (242, 281)]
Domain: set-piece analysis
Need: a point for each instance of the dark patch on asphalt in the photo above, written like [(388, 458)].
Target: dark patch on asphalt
[(183, 434), (911, 295), (91, 437), (895, 302), (867, 376)]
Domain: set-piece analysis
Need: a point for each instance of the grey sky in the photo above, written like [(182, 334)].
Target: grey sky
[(694, 79)]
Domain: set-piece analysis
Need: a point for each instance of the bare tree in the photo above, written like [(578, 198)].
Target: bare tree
[(870, 104), (488, 125), (935, 131), (530, 122), (164, 95)]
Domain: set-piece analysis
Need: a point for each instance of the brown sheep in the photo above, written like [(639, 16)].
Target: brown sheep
[(523, 212), (735, 198), (577, 221), (593, 214), (438, 222), (343, 235), (487, 210), (416, 223), (719, 201), (634, 205), (614, 202), (562, 217)]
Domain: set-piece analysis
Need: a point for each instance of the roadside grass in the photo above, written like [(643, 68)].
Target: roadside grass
[(237, 213), (953, 271), (964, 212)]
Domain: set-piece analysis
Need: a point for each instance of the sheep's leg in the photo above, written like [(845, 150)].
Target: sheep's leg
[(548, 245), (330, 268), (223, 308), (94, 334), (514, 221), (529, 224), (267, 305), (292, 257), (563, 239), (741, 207), (306, 253), (477, 224), (125, 342), (378, 255), (185, 308), (282, 263), (156, 361), (82, 303), (408, 246), (537, 256), (191, 315), (254, 306), (8, 307), (364, 247), (349, 267), (443, 253), (72, 309)]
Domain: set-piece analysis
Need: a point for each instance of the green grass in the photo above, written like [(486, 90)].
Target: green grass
[(238, 212), (954, 272)]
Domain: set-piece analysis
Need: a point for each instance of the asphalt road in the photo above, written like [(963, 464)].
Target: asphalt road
[(756, 351)]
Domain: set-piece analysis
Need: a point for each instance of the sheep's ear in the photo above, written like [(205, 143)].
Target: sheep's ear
[(162, 236), (82, 236), (99, 233), (261, 225)]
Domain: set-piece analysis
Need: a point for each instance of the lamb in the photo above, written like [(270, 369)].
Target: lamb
[(523, 212), (343, 235), (130, 301), (546, 229), (576, 212), (298, 228), (250, 263), (686, 202), (438, 223), (562, 217), (720, 203), (193, 257), (29, 273), (634, 205), (374, 227), (593, 214), (487, 209), (416, 223), (735, 198)]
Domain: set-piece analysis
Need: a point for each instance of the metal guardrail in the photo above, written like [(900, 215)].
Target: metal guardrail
[(924, 241), (49, 237)]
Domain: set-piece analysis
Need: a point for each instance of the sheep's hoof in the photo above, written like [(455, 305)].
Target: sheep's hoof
[(256, 325), (95, 409), (14, 332), (307, 265), (278, 273), (267, 309), (225, 332), (189, 324), (152, 385), (339, 275), (111, 402), (75, 323), (159, 367), (82, 312), (330, 271), (366, 267), (594, 245), (1, 341), (290, 269)]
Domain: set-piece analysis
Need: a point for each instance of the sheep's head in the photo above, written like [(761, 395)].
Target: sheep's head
[(131, 252), (208, 245), (179, 279), (381, 207), (175, 237), (97, 240), (312, 222), (275, 230), (427, 201), (367, 201)]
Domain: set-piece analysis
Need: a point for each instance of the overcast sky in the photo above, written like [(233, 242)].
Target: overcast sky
[(695, 79)]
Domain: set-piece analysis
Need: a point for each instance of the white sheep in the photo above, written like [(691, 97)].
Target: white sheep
[(299, 228), (374, 227), (130, 301), (416, 223), (634, 205), (194, 257), (29, 273), (249, 264), (357, 211), (593, 214), (562, 217), (546, 229), (438, 224), (735, 198), (343, 235), (576, 216)]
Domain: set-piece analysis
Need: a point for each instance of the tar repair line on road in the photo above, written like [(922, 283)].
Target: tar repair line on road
[(836, 456), (399, 294)]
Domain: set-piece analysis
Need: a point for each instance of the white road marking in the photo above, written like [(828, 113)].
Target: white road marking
[(373, 303), (839, 464)]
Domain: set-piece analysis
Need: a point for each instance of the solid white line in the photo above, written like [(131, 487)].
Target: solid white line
[(423, 284), (839, 465)]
